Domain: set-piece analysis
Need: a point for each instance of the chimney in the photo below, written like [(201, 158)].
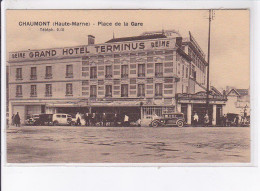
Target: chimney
[(91, 39)]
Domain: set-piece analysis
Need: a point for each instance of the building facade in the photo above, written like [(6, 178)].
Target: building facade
[(140, 76), (238, 101)]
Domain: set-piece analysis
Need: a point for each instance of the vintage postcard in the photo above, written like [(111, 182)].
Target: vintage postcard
[(128, 86)]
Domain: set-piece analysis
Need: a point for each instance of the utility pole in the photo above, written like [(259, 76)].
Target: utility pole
[(207, 98)]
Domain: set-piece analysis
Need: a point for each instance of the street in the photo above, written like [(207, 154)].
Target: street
[(67, 144)]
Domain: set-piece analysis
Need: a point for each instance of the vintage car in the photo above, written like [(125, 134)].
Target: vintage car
[(32, 119), (232, 119), (39, 119), (61, 119), (169, 119), (45, 119)]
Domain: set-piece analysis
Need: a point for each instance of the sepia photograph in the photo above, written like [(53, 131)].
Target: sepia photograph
[(128, 86)]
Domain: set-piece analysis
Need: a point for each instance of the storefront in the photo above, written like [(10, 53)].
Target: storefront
[(189, 104)]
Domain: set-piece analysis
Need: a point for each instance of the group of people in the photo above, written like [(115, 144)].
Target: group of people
[(103, 119), (196, 120), (224, 121), (16, 120)]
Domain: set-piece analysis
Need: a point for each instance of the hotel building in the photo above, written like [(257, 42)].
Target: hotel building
[(140, 76)]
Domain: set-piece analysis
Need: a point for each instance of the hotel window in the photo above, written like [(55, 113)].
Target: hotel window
[(124, 71), (48, 90), (93, 72), (158, 89), (48, 73), (141, 70), (183, 71), (69, 90), (108, 71), (158, 70), (69, 71), (19, 73), (193, 72), (93, 91), (33, 73), (108, 91), (124, 90), (33, 91), (19, 92), (141, 90), (187, 72)]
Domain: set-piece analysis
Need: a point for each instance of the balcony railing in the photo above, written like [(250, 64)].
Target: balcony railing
[(108, 95), (33, 94), (124, 95), (158, 95), (69, 94), (48, 94), (141, 74), (48, 76), (124, 75), (69, 75), (33, 77), (158, 74), (19, 95), (18, 77), (93, 76), (141, 95), (108, 75)]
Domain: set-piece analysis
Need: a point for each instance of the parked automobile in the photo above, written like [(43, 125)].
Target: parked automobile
[(169, 119), (46, 119), (231, 119), (61, 119), (32, 119)]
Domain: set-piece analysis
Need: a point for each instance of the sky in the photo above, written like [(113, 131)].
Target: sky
[(229, 57)]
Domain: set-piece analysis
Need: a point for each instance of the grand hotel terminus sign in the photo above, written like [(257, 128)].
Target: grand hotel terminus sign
[(90, 49)]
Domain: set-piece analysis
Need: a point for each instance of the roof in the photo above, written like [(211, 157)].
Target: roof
[(133, 38), (243, 92), (239, 92), (215, 90)]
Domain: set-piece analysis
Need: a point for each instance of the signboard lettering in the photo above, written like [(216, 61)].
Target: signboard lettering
[(91, 49)]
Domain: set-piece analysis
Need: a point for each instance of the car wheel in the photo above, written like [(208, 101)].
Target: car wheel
[(180, 123), (55, 123), (155, 124)]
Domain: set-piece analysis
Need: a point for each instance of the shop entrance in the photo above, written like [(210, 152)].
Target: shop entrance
[(200, 109), (184, 110)]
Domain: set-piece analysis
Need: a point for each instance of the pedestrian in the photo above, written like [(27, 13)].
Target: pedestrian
[(13, 119), (139, 122), (116, 120), (224, 120), (237, 120), (104, 119), (126, 120), (93, 119), (87, 119), (17, 120), (78, 119), (195, 119), (206, 120)]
